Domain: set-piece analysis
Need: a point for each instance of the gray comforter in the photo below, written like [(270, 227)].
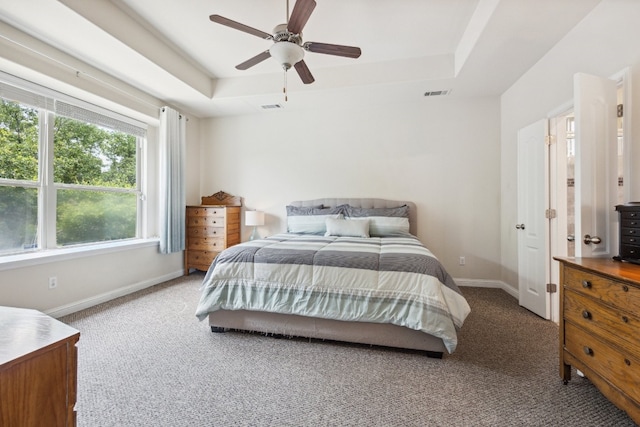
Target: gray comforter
[(384, 280)]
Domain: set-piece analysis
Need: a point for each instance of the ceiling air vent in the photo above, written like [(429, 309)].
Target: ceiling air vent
[(271, 106), (438, 92)]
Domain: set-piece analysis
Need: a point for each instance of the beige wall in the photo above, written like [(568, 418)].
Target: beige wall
[(441, 153)]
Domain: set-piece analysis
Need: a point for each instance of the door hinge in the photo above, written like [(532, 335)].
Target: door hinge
[(550, 213), (549, 139), (552, 288), (620, 110)]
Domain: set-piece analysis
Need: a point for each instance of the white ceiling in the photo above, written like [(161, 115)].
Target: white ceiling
[(172, 50)]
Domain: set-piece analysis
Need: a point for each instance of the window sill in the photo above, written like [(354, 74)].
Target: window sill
[(55, 255)]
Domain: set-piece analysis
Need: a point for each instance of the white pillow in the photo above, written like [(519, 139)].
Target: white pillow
[(348, 227)]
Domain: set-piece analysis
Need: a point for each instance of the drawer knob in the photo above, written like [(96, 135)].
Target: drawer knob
[(625, 319), (627, 362), (625, 288), (586, 284), (586, 314), (588, 351)]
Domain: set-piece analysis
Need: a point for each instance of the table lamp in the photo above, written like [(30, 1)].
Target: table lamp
[(254, 219)]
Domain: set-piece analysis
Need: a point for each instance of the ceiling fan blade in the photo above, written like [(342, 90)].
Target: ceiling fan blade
[(253, 61), (238, 26), (300, 15), (333, 49), (304, 73)]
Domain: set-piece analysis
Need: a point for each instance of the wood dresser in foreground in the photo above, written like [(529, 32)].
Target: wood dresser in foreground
[(600, 327), (38, 370)]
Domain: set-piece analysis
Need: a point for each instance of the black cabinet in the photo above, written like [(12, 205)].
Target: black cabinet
[(629, 232)]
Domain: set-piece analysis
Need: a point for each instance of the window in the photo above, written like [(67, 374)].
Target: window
[(69, 172)]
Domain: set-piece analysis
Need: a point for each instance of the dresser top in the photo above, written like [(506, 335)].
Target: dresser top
[(23, 331), (615, 269)]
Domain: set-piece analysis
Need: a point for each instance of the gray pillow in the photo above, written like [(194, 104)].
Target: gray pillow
[(384, 222), (311, 220)]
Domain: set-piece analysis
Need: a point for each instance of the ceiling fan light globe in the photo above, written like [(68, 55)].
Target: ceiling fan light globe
[(286, 53)]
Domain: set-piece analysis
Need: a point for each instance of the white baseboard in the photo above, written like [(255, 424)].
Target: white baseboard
[(479, 283), (108, 296)]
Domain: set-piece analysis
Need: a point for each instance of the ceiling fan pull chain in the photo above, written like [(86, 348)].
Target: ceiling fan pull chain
[(284, 89)]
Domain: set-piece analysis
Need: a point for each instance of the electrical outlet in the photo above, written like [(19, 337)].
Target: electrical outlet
[(462, 260), (53, 282)]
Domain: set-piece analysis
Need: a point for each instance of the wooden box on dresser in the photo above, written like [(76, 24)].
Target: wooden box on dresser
[(210, 229), (38, 369), (600, 327)]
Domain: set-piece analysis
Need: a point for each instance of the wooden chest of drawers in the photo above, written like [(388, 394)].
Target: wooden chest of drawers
[(38, 369), (600, 327), (209, 230), (629, 232)]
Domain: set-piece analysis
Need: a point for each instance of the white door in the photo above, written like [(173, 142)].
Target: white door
[(596, 168), (532, 224)]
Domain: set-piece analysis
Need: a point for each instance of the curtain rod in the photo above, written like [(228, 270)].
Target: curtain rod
[(179, 114)]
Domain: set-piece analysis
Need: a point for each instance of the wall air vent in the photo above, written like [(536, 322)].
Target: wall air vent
[(438, 92), (271, 106)]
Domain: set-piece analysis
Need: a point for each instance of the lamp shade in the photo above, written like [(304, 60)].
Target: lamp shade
[(286, 53), (254, 218)]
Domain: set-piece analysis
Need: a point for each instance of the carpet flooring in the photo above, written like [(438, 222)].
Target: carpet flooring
[(145, 360)]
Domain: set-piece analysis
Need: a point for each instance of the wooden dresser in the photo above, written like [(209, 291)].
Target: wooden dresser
[(210, 229), (38, 369), (600, 327)]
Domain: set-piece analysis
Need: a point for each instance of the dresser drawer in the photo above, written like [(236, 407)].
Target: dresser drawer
[(200, 258), (206, 244), (625, 297), (630, 240), (618, 367), (627, 214), (629, 232), (205, 221), (630, 251), (205, 232), (202, 211), (621, 328), (630, 223)]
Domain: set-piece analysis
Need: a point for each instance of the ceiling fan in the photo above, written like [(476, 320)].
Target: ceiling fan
[(288, 48)]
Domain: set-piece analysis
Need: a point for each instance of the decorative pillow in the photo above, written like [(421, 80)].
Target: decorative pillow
[(385, 222), (303, 210), (348, 227), (311, 220)]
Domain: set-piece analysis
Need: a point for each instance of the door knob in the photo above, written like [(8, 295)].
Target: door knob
[(571, 238), (588, 239), (520, 226)]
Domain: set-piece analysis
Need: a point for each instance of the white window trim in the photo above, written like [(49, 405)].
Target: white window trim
[(44, 256)]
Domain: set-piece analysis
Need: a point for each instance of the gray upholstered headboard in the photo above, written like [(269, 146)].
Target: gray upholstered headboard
[(366, 203)]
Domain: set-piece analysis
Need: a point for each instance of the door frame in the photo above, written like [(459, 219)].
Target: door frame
[(557, 237)]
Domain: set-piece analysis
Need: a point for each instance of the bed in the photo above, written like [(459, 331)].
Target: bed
[(346, 270)]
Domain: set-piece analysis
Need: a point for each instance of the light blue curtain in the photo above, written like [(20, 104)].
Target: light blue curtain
[(172, 180)]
